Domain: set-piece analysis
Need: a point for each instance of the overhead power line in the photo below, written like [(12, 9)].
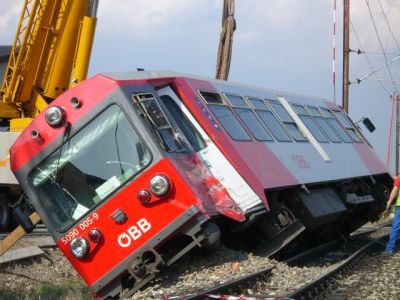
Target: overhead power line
[(387, 22), (359, 51), (379, 69), (366, 57), (380, 43), (381, 79)]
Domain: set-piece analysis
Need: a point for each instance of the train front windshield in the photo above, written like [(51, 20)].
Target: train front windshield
[(89, 167)]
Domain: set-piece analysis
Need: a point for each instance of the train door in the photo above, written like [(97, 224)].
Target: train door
[(208, 152)]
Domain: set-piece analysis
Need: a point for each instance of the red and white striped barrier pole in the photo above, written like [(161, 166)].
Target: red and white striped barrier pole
[(334, 52)]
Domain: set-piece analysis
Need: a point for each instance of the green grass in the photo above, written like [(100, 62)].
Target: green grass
[(67, 290)]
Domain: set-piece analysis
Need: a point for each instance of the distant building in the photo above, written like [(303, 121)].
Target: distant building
[(4, 55)]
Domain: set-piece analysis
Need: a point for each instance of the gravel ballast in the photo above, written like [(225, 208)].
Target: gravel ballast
[(375, 278)]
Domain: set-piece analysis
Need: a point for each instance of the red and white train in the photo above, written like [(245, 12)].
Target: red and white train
[(131, 171)]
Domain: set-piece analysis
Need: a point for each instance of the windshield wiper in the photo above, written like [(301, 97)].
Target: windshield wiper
[(65, 136)]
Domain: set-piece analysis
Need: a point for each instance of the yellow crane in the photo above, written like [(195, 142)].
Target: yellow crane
[(50, 53)]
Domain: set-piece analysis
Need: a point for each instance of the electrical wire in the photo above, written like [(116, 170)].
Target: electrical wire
[(379, 69), (387, 22), (377, 53), (381, 79), (366, 57), (380, 43)]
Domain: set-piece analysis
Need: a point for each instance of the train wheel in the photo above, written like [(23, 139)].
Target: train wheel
[(285, 217), (276, 221), (381, 192), (212, 242), (5, 213)]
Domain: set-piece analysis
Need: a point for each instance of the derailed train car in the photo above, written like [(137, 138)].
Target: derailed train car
[(131, 171)]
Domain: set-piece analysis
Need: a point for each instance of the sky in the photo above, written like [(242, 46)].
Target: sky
[(285, 44)]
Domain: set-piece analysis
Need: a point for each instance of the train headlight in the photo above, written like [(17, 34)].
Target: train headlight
[(80, 247), (160, 185), (55, 116)]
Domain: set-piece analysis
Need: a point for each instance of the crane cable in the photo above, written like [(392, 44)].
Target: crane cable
[(226, 40)]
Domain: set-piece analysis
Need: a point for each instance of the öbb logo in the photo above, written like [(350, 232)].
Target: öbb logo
[(133, 233)]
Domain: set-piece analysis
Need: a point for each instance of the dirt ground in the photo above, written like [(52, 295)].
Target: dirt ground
[(48, 276)]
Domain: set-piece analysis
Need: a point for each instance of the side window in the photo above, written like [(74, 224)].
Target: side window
[(151, 110), (192, 135), (249, 118), (236, 100), (269, 119), (347, 124), (334, 123), (323, 124), (310, 123), (287, 120), (225, 116), (211, 97)]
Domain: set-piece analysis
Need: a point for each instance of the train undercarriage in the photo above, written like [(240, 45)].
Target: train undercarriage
[(343, 207), (313, 213)]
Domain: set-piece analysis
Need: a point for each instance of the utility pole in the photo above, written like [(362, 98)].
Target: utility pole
[(346, 52)]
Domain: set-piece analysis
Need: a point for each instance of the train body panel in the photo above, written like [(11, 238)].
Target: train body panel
[(300, 159), (147, 165), (145, 226)]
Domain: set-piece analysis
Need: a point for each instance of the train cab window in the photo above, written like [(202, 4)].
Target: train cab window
[(93, 164), (149, 107), (323, 124), (287, 120), (269, 119), (310, 123), (249, 118), (347, 124), (334, 123), (189, 131)]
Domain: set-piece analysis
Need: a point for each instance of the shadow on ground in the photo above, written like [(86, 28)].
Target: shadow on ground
[(67, 291)]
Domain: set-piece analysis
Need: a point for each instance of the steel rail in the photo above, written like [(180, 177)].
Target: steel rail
[(235, 284), (232, 284), (39, 231), (321, 283)]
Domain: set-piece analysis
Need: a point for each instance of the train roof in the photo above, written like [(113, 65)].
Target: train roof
[(221, 85)]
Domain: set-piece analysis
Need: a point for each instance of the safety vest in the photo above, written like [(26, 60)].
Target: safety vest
[(397, 200)]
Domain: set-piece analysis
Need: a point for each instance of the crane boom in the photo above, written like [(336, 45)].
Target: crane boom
[(46, 57), (226, 40), (50, 53)]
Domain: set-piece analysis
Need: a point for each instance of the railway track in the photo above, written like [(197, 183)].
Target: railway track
[(39, 230), (250, 284), (350, 253), (30, 245)]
